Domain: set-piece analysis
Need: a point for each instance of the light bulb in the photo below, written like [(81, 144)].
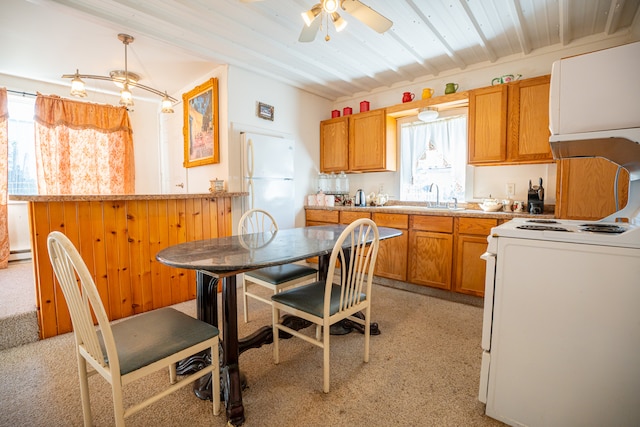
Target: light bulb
[(126, 98), (330, 6), (77, 86), (167, 107)]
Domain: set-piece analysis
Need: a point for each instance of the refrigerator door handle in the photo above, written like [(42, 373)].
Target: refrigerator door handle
[(251, 194), (250, 159)]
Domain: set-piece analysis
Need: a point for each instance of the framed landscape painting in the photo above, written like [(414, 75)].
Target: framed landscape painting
[(200, 128)]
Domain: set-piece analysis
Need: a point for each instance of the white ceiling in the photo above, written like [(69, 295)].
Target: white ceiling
[(43, 39)]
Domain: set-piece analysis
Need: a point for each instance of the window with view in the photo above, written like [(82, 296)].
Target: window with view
[(22, 177), (433, 153)]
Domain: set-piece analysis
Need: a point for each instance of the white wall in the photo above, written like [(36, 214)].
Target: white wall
[(297, 116)]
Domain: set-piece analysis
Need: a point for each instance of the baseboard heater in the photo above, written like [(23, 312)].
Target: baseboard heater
[(20, 255)]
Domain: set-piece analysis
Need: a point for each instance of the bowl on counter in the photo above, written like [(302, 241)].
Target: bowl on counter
[(490, 205)]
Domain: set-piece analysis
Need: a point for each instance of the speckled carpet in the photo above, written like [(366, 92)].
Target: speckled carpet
[(423, 371), (18, 320)]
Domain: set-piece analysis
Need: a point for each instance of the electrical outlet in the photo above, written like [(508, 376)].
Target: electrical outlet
[(511, 189)]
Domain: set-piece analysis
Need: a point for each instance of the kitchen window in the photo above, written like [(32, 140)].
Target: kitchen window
[(22, 178), (433, 153)]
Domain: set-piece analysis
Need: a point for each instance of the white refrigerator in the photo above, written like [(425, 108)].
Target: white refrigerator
[(267, 175)]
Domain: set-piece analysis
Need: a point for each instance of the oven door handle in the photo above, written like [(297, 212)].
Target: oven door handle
[(489, 287)]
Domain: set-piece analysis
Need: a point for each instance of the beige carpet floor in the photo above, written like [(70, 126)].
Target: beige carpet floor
[(423, 371), (18, 317)]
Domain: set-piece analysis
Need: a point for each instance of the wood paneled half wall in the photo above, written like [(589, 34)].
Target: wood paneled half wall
[(118, 238)]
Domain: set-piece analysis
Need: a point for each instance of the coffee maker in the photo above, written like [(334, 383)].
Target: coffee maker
[(535, 201)]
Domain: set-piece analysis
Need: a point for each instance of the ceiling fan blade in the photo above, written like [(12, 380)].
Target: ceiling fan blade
[(308, 34), (367, 15)]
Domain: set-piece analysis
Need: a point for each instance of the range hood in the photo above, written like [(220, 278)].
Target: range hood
[(619, 146), (594, 111)]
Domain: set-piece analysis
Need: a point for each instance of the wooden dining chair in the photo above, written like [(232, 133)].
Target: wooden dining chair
[(325, 303), (132, 348), (274, 278)]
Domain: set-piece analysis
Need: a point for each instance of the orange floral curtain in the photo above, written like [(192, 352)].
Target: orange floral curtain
[(4, 159), (83, 148)]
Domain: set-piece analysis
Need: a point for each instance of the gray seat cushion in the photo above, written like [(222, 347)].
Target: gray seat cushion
[(154, 335), (281, 273), (310, 298)]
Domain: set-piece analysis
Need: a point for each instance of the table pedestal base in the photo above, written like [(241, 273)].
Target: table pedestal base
[(231, 381)]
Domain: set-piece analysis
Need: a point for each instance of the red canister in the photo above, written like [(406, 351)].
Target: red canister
[(364, 106), (346, 111), (335, 113)]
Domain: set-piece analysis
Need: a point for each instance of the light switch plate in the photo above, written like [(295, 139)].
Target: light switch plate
[(511, 189)]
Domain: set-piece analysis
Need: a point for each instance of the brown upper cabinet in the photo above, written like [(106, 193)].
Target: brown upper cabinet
[(590, 189), (334, 145), (363, 142), (509, 123)]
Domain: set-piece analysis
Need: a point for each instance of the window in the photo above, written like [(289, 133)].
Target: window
[(22, 177), (433, 153)]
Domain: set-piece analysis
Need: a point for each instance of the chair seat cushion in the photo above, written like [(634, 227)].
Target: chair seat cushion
[(310, 298), (281, 273), (154, 335)]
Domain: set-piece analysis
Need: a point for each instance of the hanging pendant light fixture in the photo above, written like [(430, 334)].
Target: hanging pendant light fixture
[(121, 78)]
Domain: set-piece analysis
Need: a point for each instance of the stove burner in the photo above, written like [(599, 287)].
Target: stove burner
[(541, 227), (603, 228), (543, 221)]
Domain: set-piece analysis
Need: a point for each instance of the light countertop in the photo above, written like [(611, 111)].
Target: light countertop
[(105, 197), (471, 211)]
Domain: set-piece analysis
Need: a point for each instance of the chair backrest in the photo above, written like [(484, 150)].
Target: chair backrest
[(82, 299), (256, 221), (356, 263)]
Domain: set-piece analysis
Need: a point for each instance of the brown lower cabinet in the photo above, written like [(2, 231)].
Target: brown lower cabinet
[(471, 242), (437, 251), (430, 251), (392, 255)]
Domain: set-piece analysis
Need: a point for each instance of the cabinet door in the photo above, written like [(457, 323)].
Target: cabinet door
[(586, 189), (470, 268), (430, 259), (371, 142), (334, 145), (488, 125), (392, 255), (528, 132)]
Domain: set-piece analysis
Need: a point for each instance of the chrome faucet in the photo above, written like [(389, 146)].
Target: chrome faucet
[(437, 193)]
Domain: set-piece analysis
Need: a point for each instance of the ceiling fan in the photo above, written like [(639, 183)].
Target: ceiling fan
[(328, 9)]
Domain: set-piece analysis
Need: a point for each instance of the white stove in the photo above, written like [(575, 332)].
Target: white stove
[(618, 234), (561, 325)]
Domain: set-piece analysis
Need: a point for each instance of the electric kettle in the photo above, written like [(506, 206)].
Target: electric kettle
[(361, 199)]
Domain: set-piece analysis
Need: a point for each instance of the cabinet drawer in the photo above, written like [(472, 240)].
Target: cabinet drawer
[(478, 226), (322, 216), (347, 217), (441, 224), (391, 220)]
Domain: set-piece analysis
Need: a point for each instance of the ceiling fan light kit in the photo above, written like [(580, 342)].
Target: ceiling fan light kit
[(329, 8), (121, 78)]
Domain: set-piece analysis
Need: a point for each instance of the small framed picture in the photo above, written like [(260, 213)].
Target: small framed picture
[(200, 126), (265, 111)]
